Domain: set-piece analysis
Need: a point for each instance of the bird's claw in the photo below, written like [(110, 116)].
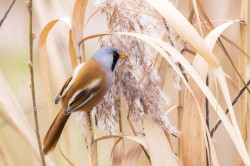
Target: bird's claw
[(67, 111)]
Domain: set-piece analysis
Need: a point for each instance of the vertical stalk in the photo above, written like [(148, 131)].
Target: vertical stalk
[(243, 72), (31, 39), (243, 69), (89, 122), (180, 115), (90, 143)]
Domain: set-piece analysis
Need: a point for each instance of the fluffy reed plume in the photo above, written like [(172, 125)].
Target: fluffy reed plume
[(136, 77)]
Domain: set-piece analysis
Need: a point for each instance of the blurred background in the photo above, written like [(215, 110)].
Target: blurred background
[(15, 149)]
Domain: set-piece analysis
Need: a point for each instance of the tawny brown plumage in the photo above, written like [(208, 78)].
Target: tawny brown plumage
[(81, 92)]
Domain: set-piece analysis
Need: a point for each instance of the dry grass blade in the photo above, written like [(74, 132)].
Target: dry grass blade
[(192, 138), (66, 158), (210, 26), (117, 152), (44, 63), (234, 45), (171, 109), (132, 155), (44, 59), (191, 119), (234, 102), (137, 139), (8, 120), (243, 65), (181, 25), (72, 53), (160, 151), (232, 132), (197, 15), (92, 15), (3, 154), (7, 12), (224, 88), (78, 16), (16, 117)]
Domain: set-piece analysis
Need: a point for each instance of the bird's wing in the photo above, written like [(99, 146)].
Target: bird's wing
[(67, 84), (83, 96), (62, 90)]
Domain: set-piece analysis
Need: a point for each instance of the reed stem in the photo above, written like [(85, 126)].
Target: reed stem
[(31, 39), (243, 70), (90, 143)]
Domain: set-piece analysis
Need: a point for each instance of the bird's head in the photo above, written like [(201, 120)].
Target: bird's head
[(108, 57)]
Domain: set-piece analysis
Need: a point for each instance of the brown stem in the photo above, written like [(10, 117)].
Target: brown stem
[(7, 12), (227, 110), (31, 39), (91, 144)]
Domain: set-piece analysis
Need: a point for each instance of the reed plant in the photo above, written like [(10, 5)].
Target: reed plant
[(181, 97)]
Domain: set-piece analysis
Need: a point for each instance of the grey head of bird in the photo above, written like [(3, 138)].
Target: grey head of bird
[(108, 57)]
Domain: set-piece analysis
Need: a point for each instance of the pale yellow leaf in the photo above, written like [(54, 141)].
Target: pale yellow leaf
[(78, 16), (15, 115), (44, 60), (132, 155), (160, 151), (72, 53), (181, 25)]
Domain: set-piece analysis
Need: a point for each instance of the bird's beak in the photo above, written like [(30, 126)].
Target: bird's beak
[(122, 55)]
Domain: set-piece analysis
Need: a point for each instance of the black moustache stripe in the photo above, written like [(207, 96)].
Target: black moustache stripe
[(115, 59)]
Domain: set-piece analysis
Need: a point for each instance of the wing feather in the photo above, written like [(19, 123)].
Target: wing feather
[(82, 97), (62, 90)]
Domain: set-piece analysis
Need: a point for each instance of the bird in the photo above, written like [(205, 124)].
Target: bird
[(83, 90)]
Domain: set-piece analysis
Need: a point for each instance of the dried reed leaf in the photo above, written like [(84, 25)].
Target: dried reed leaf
[(181, 25), (210, 26), (137, 139), (192, 139), (118, 152), (78, 16), (16, 116), (44, 63), (44, 60), (243, 66), (132, 155), (190, 131), (128, 159), (4, 156), (72, 53), (196, 11), (230, 129), (158, 146), (224, 88), (66, 158), (232, 132), (235, 46), (8, 120), (171, 109)]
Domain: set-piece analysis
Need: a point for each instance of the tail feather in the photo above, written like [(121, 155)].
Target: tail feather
[(54, 132)]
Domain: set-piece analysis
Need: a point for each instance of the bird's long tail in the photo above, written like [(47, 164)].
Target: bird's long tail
[(54, 132)]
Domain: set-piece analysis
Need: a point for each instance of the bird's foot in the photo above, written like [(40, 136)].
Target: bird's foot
[(67, 111)]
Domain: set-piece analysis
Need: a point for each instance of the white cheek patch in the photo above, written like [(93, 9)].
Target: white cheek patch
[(75, 73)]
